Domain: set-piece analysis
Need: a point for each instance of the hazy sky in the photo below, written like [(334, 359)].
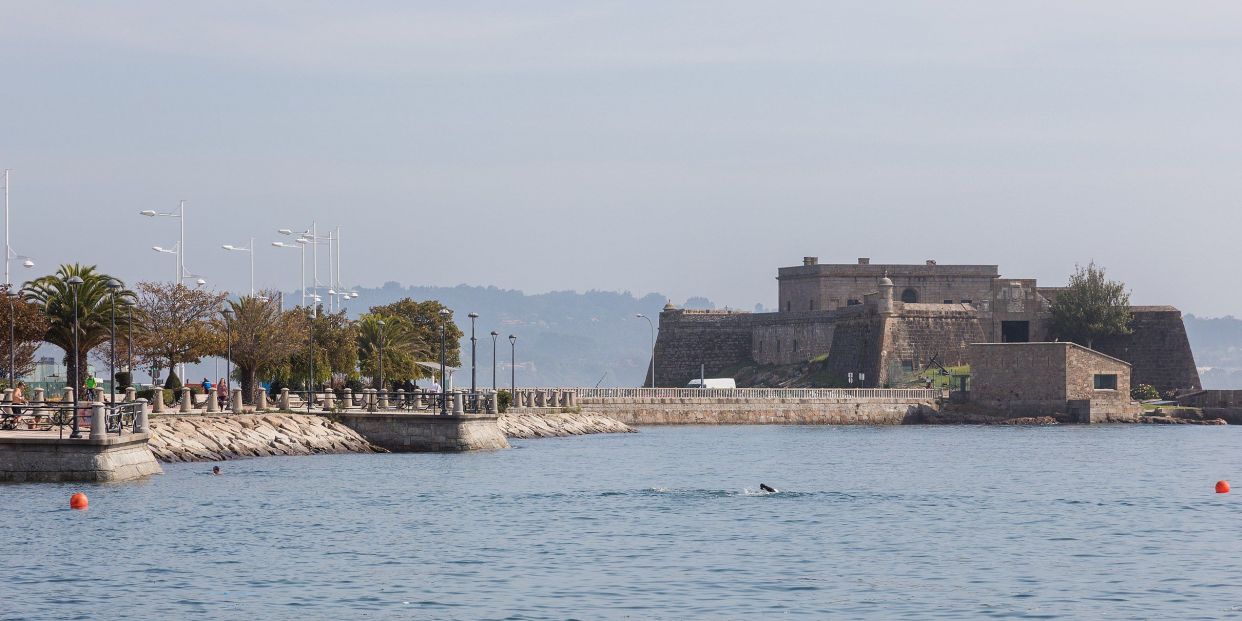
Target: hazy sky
[(689, 148)]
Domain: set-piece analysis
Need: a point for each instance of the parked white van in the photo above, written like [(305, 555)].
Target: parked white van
[(713, 382)]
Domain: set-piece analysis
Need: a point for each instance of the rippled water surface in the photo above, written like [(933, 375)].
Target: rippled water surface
[(1115, 522)]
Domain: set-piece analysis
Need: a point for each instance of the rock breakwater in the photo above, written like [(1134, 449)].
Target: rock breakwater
[(219, 438), (541, 424)]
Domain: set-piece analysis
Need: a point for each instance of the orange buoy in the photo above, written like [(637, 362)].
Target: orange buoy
[(1222, 487), (78, 501)]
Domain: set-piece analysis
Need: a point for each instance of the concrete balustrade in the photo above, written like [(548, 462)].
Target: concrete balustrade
[(211, 403), (187, 400), (329, 401), (142, 418), (235, 399), (131, 394), (98, 421), (348, 397), (260, 401), (284, 399), (157, 400), (39, 398), (459, 405), (383, 399)]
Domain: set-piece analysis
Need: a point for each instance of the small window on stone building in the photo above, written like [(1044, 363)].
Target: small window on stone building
[(948, 301), (853, 303), (795, 345), (1105, 382), (788, 306), (810, 305), (910, 296), (967, 301), (778, 346)]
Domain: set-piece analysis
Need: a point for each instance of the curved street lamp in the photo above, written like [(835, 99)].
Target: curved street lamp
[(512, 365), (113, 285), (228, 356), (473, 341), (247, 249), (445, 314), (494, 335)]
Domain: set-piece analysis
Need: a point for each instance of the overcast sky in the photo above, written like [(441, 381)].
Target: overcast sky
[(689, 148)]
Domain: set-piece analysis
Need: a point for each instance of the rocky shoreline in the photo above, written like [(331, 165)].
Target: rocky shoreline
[(176, 438), (525, 425)]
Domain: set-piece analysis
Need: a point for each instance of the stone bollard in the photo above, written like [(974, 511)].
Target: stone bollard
[(68, 396), (383, 399), (459, 405), (157, 400), (142, 418), (212, 406), (284, 399), (329, 401), (236, 396), (560, 399), (131, 394), (98, 421), (348, 397), (493, 403), (260, 402), (187, 400), (572, 396), (39, 397), (8, 396), (400, 397), (538, 399)]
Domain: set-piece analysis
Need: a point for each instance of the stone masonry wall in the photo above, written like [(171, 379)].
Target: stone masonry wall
[(1018, 372), (917, 332), (790, 338), (719, 340), (1157, 349), (856, 346)]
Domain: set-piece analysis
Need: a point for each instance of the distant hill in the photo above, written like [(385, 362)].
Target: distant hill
[(565, 338), (1217, 344)]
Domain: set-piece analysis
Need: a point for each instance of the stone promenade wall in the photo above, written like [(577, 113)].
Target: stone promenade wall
[(760, 412), (545, 423), (51, 459), (422, 433), (217, 438)]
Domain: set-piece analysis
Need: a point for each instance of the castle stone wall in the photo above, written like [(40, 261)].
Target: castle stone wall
[(719, 340), (1157, 349), (790, 338), (917, 332)]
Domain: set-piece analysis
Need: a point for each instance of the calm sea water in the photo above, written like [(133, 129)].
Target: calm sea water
[(1113, 522)]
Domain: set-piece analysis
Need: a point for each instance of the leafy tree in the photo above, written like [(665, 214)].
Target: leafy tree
[(29, 327), (55, 296), (173, 324), (400, 346), (1091, 307), (264, 337), (332, 342), (426, 321), (1144, 392)]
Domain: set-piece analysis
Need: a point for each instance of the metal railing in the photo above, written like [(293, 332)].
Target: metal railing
[(121, 417), (749, 393), (47, 415)]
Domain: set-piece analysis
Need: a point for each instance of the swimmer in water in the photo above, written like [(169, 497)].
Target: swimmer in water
[(215, 469), (764, 487)]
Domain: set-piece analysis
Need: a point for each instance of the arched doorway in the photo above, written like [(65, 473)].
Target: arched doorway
[(910, 296)]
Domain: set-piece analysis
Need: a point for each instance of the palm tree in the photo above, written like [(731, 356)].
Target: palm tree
[(263, 337), (401, 348), (94, 310)]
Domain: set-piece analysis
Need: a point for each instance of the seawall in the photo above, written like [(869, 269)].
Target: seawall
[(218, 438), (727, 411)]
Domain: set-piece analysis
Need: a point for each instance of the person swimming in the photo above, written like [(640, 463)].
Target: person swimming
[(764, 487), (215, 469)]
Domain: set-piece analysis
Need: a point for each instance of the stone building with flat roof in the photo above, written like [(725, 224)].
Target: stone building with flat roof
[(889, 322), (1050, 379)]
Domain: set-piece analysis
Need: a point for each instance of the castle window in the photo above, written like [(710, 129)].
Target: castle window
[(810, 305), (853, 303), (788, 306), (795, 345), (910, 296), (948, 301), (967, 301), (1105, 382), (778, 346)]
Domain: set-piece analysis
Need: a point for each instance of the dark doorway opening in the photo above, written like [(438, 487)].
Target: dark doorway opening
[(910, 296), (1015, 331)]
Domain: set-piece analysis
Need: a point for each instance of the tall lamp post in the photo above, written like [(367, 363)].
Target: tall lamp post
[(473, 342), (228, 356), (445, 314), (74, 283), (653, 360), (12, 338), (9, 253), (180, 215), (113, 285), (512, 365), (297, 246), (249, 250), (494, 335), (380, 323)]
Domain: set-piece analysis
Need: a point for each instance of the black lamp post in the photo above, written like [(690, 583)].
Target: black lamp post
[(444, 317), (74, 283), (473, 387), (228, 356), (494, 335), (512, 364), (380, 323), (113, 285)]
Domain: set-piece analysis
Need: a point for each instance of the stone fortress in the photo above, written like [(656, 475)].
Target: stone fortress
[(887, 323)]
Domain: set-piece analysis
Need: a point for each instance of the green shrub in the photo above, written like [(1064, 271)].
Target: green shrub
[(124, 379), (1144, 392), (504, 399), (173, 381)]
